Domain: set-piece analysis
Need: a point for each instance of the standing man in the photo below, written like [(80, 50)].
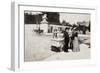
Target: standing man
[(70, 38), (66, 40)]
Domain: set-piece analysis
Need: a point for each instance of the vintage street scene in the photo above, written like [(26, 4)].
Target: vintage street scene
[(56, 36)]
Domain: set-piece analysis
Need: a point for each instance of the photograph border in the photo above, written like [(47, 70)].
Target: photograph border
[(16, 29)]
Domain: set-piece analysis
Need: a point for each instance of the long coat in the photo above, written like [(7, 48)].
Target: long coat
[(76, 45), (66, 41)]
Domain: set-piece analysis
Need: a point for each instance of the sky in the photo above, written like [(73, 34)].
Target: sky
[(74, 18)]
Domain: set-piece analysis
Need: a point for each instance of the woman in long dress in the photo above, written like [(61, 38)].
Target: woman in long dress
[(75, 43)]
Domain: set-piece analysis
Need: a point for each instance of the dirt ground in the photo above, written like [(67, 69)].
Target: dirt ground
[(37, 48)]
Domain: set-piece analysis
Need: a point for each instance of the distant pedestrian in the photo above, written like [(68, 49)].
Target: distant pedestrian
[(55, 33)]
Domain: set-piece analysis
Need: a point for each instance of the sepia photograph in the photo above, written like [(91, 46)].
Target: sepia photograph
[(50, 36)]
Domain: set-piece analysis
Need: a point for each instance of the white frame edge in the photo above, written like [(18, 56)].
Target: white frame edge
[(14, 37), (15, 55)]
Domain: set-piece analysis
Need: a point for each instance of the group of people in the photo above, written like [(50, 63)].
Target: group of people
[(70, 40)]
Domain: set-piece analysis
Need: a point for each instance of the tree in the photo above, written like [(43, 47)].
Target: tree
[(89, 27), (32, 19), (53, 17), (64, 22)]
